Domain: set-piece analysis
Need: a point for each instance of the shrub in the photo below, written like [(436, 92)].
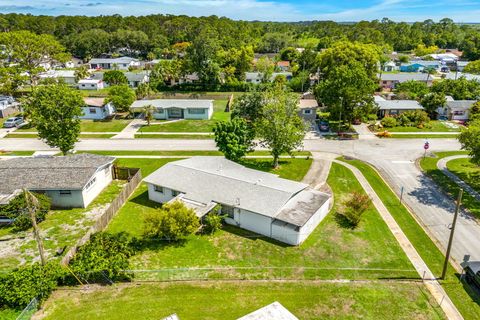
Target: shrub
[(383, 134), (354, 207), (17, 210), (19, 287), (105, 255), (212, 222), (389, 122), (372, 117), (417, 118), (173, 221)]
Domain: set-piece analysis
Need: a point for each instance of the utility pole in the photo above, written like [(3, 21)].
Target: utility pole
[(36, 233), (449, 246)]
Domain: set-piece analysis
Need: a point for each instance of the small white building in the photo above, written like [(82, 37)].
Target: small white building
[(308, 109), (193, 109), (70, 181), (97, 109), (8, 106), (121, 63), (257, 201), (90, 84)]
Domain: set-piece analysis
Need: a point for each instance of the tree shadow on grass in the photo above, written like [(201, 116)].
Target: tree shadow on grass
[(472, 291), (142, 199)]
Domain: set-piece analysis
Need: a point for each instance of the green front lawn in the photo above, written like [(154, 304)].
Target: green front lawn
[(432, 126), (103, 126), (231, 300), (16, 153), (423, 136), (464, 297), (81, 136), (219, 114), (467, 171), (245, 254), (429, 166)]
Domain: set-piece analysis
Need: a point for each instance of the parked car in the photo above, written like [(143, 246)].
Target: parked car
[(472, 273), (13, 122), (323, 126)]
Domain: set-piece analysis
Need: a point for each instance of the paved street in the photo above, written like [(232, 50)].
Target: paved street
[(393, 157)]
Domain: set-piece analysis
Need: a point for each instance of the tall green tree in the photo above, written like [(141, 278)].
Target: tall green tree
[(234, 138), (280, 129), (411, 90), (202, 57), (31, 51), (55, 110), (249, 106), (472, 67), (431, 102), (81, 73), (121, 97), (469, 138), (115, 78)]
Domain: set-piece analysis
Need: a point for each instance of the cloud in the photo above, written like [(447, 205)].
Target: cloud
[(91, 4)]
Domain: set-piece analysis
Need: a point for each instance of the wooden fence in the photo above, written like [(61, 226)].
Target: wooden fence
[(134, 177)]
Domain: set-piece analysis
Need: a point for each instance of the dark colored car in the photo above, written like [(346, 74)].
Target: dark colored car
[(472, 273), (323, 126)]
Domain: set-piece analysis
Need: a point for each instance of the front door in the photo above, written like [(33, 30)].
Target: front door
[(175, 113)]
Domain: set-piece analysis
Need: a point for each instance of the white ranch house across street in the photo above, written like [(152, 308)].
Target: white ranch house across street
[(70, 181), (257, 201), (96, 109), (90, 84), (121, 63), (194, 109)]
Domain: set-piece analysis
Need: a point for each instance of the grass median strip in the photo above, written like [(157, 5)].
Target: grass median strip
[(188, 153), (81, 136), (423, 136), (173, 136), (465, 299)]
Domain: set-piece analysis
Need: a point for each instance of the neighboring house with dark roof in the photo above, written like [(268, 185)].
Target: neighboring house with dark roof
[(459, 109), (8, 106), (308, 109), (195, 109), (388, 81), (261, 202), (121, 63), (395, 107), (70, 181), (96, 109)]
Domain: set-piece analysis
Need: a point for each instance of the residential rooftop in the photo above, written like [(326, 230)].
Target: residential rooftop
[(173, 103), (398, 105), (274, 311)]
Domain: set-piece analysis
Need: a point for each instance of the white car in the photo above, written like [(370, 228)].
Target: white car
[(13, 122)]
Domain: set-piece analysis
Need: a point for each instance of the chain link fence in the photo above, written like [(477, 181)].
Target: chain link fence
[(29, 310)]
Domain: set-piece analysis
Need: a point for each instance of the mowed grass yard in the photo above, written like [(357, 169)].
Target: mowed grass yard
[(116, 125), (234, 252), (231, 300), (432, 126), (467, 171), (219, 114)]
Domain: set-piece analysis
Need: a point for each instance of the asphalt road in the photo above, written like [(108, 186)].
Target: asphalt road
[(393, 157)]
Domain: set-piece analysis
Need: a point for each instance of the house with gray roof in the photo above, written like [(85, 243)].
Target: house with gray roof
[(194, 109), (70, 181), (121, 63), (261, 202), (388, 81), (458, 110), (395, 107)]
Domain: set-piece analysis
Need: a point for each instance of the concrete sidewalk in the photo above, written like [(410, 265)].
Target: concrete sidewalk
[(364, 133), (424, 272), (129, 131), (318, 173)]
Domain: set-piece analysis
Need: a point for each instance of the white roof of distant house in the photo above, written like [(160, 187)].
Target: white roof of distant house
[(379, 98), (216, 179), (94, 102), (91, 81), (457, 75), (399, 105), (405, 76), (444, 56), (112, 60), (173, 103), (308, 103), (274, 311)]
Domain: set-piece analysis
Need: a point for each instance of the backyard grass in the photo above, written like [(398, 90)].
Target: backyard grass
[(467, 302), (467, 171), (61, 228), (219, 114), (173, 136), (429, 166), (433, 126), (236, 253), (231, 300), (423, 136)]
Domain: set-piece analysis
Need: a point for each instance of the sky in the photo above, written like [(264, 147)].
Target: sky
[(265, 10)]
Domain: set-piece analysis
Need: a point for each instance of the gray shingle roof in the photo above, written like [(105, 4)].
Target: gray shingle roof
[(402, 77), (460, 104), (112, 60), (50, 173), (174, 103), (206, 179), (399, 105)]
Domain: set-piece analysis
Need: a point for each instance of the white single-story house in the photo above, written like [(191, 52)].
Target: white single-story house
[(90, 84), (395, 107), (308, 109), (194, 109), (256, 77), (121, 63), (70, 181), (96, 109), (390, 66), (261, 202), (133, 78), (8, 106), (459, 109)]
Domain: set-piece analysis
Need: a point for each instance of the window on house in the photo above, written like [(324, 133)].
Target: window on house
[(307, 111), (159, 189), (175, 193), (90, 183), (65, 193), (196, 111), (92, 85), (92, 110), (229, 211), (459, 113), (160, 110)]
